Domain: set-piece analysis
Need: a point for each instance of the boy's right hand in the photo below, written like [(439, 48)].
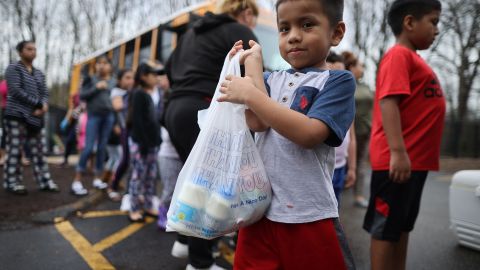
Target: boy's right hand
[(38, 112), (101, 85), (255, 51), (400, 167)]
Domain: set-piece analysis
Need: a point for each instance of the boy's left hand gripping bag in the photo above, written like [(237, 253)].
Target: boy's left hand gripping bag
[(223, 185)]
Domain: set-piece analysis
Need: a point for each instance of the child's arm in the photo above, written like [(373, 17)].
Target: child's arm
[(352, 159), (327, 120), (252, 59), (295, 126), (400, 167), (117, 103)]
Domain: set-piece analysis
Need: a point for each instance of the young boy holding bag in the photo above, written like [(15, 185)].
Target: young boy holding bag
[(300, 115)]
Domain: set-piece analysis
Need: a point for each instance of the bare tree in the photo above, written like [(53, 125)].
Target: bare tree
[(73, 11), (67, 30), (90, 10), (31, 18), (5, 7), (45, 22), (25, 12), (459, 50), (114, 9), (372, 35)]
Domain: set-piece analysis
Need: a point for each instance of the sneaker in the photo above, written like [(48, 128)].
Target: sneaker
[(114, 195), (49, 186), (213, 267), (125, 205), (361, 202), (17, 189), (155, 202), (99, 184), (162, 217), (78, 189), (180, 251)]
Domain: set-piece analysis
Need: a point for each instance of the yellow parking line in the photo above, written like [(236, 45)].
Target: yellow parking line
[(93, 258), (96, 214), (120, 235)]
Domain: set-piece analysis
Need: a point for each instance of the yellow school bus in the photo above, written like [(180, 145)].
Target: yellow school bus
[(157, 42)]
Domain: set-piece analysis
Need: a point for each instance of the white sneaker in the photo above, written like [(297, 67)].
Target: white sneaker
[(155, 202), (99, 184), (180, 250), (213, 267), (78, 189), (125, 206)]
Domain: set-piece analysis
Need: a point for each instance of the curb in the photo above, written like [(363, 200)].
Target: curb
[(61, 213)]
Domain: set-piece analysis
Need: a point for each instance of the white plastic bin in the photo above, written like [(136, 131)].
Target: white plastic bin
[(465, 208)]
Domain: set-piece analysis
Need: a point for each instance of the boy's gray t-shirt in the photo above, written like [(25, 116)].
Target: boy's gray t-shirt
[(301, 178)]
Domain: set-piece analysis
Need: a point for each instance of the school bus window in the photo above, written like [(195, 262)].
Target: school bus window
[(129, 51), (167, 39), (159, 48), (145, 47), (145, 54)]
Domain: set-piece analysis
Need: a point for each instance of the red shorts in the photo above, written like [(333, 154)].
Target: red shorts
[(271, 245)]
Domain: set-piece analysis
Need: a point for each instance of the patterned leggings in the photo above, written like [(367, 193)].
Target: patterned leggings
[(143, 178), (17, 134)]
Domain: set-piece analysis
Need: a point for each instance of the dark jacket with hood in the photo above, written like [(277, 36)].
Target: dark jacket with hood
[(195, 65)]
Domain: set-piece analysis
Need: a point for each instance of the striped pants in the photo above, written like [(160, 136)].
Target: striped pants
[(17, 134), (143, 178)]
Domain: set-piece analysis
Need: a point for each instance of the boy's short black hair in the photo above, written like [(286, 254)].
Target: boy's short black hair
[(22, 44), (333, 9), (417, 8), (334, 57)]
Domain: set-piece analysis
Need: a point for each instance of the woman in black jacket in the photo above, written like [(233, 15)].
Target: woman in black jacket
[(143, 123), (193, 71)]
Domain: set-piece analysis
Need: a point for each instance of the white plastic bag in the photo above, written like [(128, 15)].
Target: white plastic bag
[(223, 185)]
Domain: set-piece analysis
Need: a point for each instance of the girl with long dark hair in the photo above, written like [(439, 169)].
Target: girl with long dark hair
[(144, 126)]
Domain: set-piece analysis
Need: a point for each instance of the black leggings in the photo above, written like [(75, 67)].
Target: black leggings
[(70, 142), (182, 126), (124, 162), (181, 122)]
